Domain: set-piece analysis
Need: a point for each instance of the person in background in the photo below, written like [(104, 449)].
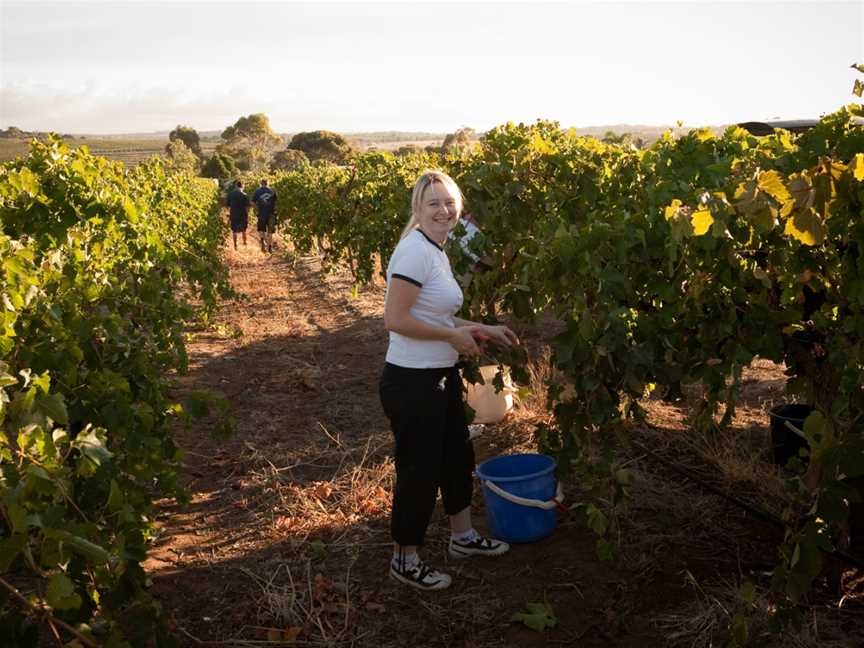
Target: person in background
[(421, 389), (238, 206), (264, 199), (471, 251)]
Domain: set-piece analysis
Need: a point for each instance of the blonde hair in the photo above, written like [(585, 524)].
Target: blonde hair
[(427, 179)]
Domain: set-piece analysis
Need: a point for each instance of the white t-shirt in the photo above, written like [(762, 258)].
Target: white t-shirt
[(419, 260)]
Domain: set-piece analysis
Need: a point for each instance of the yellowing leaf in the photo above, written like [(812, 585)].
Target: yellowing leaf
[(672, 210), (541, 145), (702, 221), (857, 165), (806, 227), (772, 183)]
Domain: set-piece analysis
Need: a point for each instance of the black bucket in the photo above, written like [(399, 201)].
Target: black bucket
[(784, 441)]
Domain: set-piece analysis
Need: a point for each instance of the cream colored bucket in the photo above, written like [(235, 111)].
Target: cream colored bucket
[(489, 406)]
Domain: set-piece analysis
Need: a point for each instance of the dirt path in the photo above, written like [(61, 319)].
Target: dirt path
[(286, 535)]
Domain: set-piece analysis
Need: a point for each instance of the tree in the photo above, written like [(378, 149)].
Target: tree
[(322, 145), (182, 156), (408, 149), (624, 139), (13, 132), (461, 138), (250, 141), (288, 160), (220, 166), (189, 136)]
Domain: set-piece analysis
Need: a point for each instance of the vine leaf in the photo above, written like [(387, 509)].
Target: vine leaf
[(805, 226), (61, 593), (538, 617), (771, 183), (92, 445), (54, 407), (858, 166), (702, 221)]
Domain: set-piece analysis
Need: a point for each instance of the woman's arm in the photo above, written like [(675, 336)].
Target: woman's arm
[(401, 296), (500, 334)]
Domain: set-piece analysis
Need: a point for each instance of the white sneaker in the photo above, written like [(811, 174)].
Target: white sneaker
[(479, 546), (421, 576)]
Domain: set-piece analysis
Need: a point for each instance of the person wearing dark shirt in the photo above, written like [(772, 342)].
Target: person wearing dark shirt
[(238, 205), (264, 199)]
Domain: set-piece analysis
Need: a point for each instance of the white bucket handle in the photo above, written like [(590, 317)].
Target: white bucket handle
[(524, 501)]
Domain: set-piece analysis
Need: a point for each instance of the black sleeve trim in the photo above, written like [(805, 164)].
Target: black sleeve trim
[(408, 279)]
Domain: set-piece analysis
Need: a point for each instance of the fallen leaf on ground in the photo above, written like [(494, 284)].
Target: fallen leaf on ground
[(538, 617)]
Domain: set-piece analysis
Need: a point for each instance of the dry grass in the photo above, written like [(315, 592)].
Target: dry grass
[(304, 607), (706, 618), (740, 455), (359, 488), (532, 401), (664, 516)]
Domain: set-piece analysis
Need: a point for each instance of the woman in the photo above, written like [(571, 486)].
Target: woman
[(421, 389)]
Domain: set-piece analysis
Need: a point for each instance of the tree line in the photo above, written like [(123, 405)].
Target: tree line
[(250, 144)]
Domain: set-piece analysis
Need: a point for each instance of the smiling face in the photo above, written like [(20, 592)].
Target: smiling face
[(438, 211)]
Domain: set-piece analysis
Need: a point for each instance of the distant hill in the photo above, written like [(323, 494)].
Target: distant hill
[(15, 133)]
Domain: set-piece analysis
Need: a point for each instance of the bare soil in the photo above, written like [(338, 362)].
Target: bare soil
[(286, 538)]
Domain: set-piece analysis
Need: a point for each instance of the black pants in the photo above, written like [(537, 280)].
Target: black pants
[(432, 448)]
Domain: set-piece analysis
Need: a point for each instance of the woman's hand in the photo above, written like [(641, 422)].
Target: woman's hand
[(462, 339), (496, 334)]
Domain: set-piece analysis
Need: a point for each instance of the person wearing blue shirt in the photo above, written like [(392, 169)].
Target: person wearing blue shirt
[(264, 199)]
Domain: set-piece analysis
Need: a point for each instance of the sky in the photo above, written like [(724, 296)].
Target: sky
[(129, 66)]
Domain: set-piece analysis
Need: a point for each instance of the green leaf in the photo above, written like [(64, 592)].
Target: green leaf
[(606, 551), (54, 407), (19, 271), (17, 515), (115, 497), (817, 431), (538, 617), (318, 550), (10, 548), (198, 403), (747, 592), (25, 181), (7, 379), (597, 521), (740, 630), (43, 382), (91, 443), (61, 593), (624, 476)]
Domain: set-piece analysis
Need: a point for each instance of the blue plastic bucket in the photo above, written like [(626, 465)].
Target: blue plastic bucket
[(531, 476)]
